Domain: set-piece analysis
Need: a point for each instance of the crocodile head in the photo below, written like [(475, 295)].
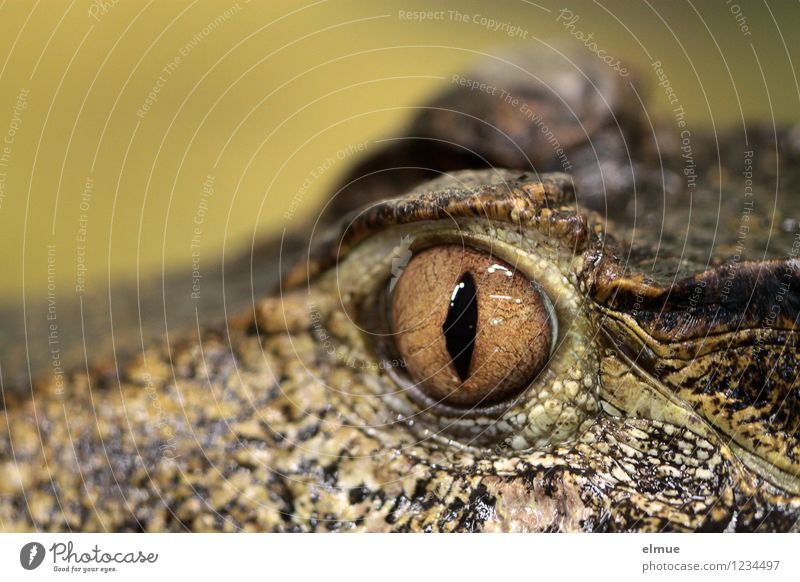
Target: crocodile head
[(640, 404), (480, 352)]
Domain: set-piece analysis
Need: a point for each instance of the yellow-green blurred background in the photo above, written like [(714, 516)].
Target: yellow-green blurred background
[(258, 95)]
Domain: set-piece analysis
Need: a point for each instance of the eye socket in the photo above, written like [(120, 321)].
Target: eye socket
[(470, 328)]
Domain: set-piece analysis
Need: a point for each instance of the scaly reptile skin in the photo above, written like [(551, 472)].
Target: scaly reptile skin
[(259, 427), (667, 406)]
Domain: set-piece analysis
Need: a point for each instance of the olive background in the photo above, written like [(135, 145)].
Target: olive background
[(271, 102)]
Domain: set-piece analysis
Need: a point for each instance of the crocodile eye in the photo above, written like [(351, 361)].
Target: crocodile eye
[(470, 328)]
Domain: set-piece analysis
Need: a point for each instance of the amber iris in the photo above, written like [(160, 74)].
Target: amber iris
[(472, 330)]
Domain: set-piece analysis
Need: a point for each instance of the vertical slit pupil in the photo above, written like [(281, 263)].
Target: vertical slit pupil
[(461, 324)]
